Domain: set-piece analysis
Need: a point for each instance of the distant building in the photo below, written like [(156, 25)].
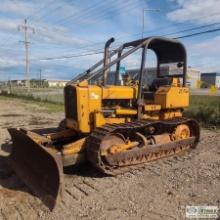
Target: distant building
[(209, 79), (16, 82), (2, 83), (39, 83), (57, 83), (193, 75)]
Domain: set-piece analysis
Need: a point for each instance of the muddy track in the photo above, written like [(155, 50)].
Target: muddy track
[(160, 190)]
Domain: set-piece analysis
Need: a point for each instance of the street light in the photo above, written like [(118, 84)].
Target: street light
[(155, 10)]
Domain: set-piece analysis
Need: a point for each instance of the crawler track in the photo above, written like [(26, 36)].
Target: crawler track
[(114, 164)]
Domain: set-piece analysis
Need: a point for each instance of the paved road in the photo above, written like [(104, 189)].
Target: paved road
[(203, 92)]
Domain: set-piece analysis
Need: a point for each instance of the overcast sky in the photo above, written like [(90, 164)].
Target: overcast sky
[(76, 27)]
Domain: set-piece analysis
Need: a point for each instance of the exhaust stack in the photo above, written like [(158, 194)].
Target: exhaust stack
[(106, 57)]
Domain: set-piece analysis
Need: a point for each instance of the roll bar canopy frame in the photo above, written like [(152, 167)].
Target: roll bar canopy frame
[(167, 51)]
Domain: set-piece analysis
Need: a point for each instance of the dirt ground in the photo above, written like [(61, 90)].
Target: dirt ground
[(159, 191)]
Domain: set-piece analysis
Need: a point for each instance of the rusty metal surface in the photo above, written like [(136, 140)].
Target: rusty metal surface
[(145, 153), (106, 57), (123, 162), (39, 168)]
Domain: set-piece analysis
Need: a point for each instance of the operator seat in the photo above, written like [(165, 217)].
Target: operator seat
[(156, 83)]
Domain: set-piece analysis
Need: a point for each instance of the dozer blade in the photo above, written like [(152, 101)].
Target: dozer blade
[(39, 168)]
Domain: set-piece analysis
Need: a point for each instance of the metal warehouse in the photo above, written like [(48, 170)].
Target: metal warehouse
[(209, 79), (193, 75)]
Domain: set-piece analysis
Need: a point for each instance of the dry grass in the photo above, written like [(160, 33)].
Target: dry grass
[(49, 106), (206, 109)]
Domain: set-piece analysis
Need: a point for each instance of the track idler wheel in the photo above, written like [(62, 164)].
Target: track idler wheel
[(182, 131)]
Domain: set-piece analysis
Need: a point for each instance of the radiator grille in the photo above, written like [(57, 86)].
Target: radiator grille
[(70, 102)]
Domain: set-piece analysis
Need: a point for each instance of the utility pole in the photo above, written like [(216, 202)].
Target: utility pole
[(26, 28), (40, 78), (143, 18), (9, 82)]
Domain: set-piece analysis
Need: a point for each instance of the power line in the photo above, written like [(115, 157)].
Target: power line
[(48, 14), (120, 5), (55, 24), (199, 33), (45, 6), (92, 52), (185, 30), (89, 9), (162, 28), (131, 6), (214, 14), (125, 10), (15, 3), (95, 7), (28, 18), (89, 53), (192, 29)]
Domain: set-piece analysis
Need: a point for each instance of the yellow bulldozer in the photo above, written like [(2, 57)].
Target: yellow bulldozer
[(115, 126)]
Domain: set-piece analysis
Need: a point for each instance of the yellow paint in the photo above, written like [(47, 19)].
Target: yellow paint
[(151, 116), (213, 90), (175, 82), (74, 147), (83, 83), (88, 101), (100, 120), (37, 138), (123, 147), (198, 84), (61, 134), (172, 97), (152, 107), (118, 92), (168, 103), (122, 111), (166, 115), (181, 132), (83, 109), (115, 120)]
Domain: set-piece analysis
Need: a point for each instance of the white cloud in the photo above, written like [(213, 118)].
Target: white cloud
[(52, 38), (36, 13), (18, 7), (209, 47), (9, 25), (7, 62), (42, 33), (56, 34), (205, 54), (196, 11)]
